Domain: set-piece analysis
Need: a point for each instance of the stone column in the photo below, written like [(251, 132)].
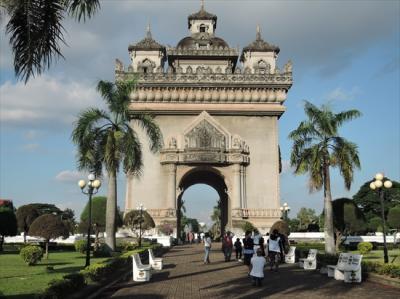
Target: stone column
[(171, 188), (236, 192)]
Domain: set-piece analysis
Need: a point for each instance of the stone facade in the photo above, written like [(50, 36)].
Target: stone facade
[(219, 122)]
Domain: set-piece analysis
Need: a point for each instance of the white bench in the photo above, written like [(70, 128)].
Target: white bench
[(155, 263), (140, 272), (349, 269), (342, 261), (309, 263), (290, 257)]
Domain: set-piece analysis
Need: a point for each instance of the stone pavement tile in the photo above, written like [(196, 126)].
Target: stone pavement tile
[(185, 276)]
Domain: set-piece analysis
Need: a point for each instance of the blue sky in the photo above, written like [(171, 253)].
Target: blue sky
[(345, 53)]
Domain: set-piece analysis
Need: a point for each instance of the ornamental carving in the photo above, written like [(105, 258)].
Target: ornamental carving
[(204, 136)]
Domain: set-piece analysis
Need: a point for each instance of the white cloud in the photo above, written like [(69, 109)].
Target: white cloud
[(30, 147), (44, 102), (340, 94), (68, 176), (31, 134)]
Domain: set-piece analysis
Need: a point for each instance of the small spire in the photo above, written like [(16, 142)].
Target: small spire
[(258, 35), (148, 30), (202, 5)]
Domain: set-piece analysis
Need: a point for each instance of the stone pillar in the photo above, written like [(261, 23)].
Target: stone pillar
[(236, 192), (171, 188)]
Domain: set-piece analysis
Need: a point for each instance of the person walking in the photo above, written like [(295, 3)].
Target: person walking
[(275, 250), (238, 250), (256, 240), (207, 248), (257, 265), (227, 246), (248, 246)]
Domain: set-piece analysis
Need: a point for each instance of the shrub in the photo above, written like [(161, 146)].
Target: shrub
[(127, 246), (327, 259), (99, 271), (80, 246), (392, 270), (61, 288), (31, 254), (364, 247), (101, 251)]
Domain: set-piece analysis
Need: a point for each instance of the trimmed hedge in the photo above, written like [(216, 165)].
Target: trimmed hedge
[(31, 254), (391, 270), (364, 247), (62, 288), (80, 246)]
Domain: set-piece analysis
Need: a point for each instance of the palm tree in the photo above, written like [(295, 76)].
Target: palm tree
[(107, 139), (36, 30), (317, 147)]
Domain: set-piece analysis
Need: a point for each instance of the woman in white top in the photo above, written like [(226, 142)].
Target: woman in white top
[(207, 248), (274, 249)]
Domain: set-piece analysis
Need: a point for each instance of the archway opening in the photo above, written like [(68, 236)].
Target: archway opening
[(203, 194)]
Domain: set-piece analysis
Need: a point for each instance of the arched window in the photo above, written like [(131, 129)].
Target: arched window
[(203, 28)]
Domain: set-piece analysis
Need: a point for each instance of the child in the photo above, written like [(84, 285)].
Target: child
[(238, 250), (257, 265)]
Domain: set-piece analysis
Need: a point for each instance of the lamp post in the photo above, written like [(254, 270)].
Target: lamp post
[(379, 184), (140, 208), (93, 186), (285, 210)]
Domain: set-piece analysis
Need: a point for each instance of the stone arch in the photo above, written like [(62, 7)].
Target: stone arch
[(212, 177)]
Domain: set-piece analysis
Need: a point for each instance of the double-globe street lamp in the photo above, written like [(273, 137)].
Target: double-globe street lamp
[(285, 210), (379, 184), (93, 186), (140, 208)]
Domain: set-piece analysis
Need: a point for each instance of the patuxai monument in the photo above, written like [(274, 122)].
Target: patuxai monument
[(218, 109)]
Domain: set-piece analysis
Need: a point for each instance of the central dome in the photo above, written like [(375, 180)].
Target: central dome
[(202, 39)]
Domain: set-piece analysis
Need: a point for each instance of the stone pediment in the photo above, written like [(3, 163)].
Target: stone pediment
[(205, 141)]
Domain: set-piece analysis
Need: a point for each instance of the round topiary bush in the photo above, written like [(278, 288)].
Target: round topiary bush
[(282, 227), (31, 254), (364, 247), (80, 246)]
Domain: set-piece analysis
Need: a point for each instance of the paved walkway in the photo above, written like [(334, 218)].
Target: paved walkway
[(185, 276)]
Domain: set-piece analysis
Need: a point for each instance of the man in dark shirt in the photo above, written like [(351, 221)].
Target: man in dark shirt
[(248, 246)]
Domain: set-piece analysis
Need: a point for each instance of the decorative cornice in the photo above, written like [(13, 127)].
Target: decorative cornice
[(255, 213)]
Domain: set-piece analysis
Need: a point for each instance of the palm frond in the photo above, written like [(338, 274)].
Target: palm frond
[(147, 123), (86, 122), (36, 33), (132, 152), (82, 8), (111, 153), (344, 116)]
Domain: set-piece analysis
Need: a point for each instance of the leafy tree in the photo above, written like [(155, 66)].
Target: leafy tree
[(393, 217), (369, 202), (306, 217), (347, 219), (166, 227), (99, 204), (317, 147), (191, 221), (375, 224), (25, 216), (8, 224), (37, 32), (68, 217), (294, 224), (133, 220), (46, 208), (107, 139), (48, 226), (216, 218)]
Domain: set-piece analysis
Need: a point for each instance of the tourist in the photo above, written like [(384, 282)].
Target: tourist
[(256, 240), (257, 265), (227, 246), (196, 238), (190, 237), (202, 236), (262, 245), (275, 250), (238, 250), (207, 248), (248, 251)]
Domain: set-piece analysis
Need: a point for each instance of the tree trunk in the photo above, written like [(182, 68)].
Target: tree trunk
[(1, 243), (47, 249), (328, 225), (111, 210), (338, 240), (24, 237)]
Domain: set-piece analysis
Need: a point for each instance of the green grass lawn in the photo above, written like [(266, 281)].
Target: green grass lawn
[(377, 256), (17, 278)]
